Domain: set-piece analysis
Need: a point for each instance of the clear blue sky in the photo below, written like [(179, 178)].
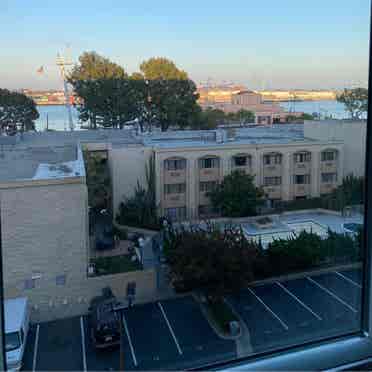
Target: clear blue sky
[(263, 44)]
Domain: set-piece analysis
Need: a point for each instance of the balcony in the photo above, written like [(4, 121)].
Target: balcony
[(328, 187), (328, 166), (174, 200), (302, 168), (209, 174), (272, 170), (273, 192), (246, 169), (175, 176), (301, 190)]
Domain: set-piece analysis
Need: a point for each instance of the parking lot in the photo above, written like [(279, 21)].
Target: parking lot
[(299, 310), (174, 334)]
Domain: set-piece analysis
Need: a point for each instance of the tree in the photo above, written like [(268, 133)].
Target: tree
[(98, 181), (236, 196), (244, 116), (211, 118), (211, 259), (17, 112), (140, 209), (306, 116), (161, 68), (355, 101), (92, 66), (109, 102), (171, 95)]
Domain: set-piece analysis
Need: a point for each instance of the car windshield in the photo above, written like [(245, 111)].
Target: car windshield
[(12, 341)]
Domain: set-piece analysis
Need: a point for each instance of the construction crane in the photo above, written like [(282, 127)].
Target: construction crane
[(62, 63)]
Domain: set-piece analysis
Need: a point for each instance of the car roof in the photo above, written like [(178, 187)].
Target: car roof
[(14, 313)]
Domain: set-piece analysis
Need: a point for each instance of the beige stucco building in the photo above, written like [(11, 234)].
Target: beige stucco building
[(44, 204)]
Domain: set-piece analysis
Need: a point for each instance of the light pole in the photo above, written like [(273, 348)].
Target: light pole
[(119, 309)]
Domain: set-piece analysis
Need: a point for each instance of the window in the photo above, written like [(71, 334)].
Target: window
[(175, 188), (303, 179), (61, 279), (29, 283), (272, 181), (241, 161), (209, 163), (302, 157), (109, 199), (175, 164), (328, 155), (207, 186), (272, 159), (176, 214), (12, 341), (329, 177)]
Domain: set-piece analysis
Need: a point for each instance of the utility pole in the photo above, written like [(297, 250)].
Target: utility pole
[(62, 67)]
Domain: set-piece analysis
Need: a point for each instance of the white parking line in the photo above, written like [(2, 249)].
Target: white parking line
[(332, 294), (170, 328), (36, 347), (299, 301), (130, 341), (348, 279), (83, 343), (269, 310)]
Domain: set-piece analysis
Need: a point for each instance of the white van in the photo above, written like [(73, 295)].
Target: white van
[(17, 318)]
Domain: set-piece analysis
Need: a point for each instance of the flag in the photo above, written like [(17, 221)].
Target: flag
[(40, 70)]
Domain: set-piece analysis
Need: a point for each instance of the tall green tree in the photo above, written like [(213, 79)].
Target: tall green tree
[(92, 66), (355, 101), (17, 112), (161, 68), (236, 195), (171, 95)]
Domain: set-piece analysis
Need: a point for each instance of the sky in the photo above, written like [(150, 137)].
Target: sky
[(271, 44)]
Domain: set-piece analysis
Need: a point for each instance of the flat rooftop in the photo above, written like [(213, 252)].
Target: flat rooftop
[(47, 155)]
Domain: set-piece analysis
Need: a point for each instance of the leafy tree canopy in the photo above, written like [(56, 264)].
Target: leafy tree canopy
[(161, 68), (92, 66), (355, 101), (17, 112), (237, 195), (210, 259)]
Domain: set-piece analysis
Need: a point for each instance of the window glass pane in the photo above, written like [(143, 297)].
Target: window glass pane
[(195, 193)]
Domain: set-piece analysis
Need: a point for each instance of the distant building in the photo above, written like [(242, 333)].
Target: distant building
[(266, 113)]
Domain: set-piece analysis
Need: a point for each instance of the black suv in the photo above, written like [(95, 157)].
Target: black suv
[(104, 322)]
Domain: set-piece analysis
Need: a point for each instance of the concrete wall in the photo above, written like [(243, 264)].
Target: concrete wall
[(127, 165), (352, 133), (44, 235)]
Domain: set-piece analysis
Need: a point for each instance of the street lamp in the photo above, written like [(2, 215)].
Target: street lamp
[(118, 309)]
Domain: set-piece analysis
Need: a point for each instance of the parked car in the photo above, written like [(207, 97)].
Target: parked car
[(17, 319), (104, 322)]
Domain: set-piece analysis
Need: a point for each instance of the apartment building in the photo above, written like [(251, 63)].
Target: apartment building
[(286, 164), (44, 204)]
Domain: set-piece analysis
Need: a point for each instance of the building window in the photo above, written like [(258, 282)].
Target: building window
[(29, 283), (241, 161), (207, 186), (328, 155), (209, 163), (175, 188), (302, 179), (329, 177), (175, 164), (175, 214), (272, 181), (272, 159), (61, 279), (302, 157)]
